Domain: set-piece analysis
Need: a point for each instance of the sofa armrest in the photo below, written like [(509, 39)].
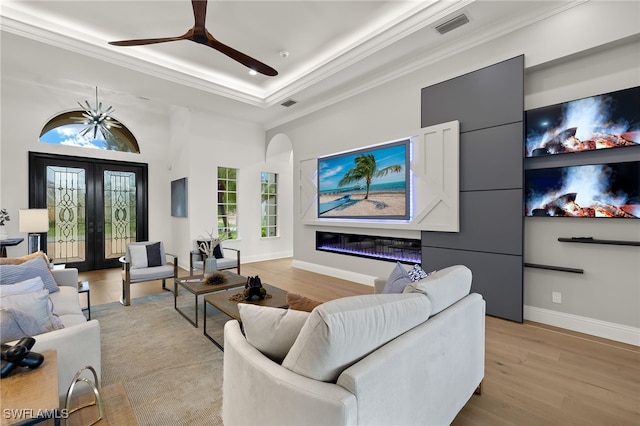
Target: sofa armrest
[(67, 276), (443, 358), (250, 376), (378, 285), (76, 346)]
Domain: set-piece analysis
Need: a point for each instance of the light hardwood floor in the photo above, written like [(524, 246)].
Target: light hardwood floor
[(534, 374)]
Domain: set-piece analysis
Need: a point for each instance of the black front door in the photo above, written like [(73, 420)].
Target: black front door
[(96, 207)]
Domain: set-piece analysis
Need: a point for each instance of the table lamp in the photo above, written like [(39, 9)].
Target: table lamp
[(34, 221)]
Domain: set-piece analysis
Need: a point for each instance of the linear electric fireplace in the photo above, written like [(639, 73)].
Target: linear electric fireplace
[(404, 250)]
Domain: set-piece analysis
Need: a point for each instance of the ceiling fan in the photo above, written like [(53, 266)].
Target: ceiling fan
[(199, 34)]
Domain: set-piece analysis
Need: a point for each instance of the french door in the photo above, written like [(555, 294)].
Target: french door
[(96, 207)]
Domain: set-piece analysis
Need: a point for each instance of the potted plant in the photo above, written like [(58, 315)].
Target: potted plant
[(4, 217)]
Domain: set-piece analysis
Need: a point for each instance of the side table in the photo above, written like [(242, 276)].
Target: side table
[(83, 287), (9, 242), (31, 396)]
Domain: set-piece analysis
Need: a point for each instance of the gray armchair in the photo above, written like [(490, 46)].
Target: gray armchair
[(146, 261), (226, 258)]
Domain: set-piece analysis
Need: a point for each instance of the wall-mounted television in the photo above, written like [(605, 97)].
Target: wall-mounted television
[(609, 120), (610, 190), (179, 197), (368, 183)]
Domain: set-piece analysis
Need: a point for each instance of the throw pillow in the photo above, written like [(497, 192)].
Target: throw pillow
[(341, 332), (417, 273), (22, 259), (271, 330), (35, 304), (145, 255), (154, 257), (397, 281), (15, 325), (444, 287), (36, 267), (301, 303), (27, 286), (217, 251)]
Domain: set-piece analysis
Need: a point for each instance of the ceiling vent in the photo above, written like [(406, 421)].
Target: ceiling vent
[(288, 103), (452, 24)]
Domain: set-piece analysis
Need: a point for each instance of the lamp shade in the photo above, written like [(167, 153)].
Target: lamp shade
[(34, 220)]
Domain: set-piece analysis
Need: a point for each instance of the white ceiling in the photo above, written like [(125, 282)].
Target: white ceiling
[(332, 45)]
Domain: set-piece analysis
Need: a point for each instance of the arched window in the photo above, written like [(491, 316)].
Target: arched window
[(64, 129)]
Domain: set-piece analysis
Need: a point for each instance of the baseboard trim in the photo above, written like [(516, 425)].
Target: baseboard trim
[(334, 272), (267, 256), (594, 327)]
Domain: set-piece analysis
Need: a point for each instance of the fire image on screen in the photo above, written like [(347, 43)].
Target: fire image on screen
[(370, 183), (610, 120), (609, 190)]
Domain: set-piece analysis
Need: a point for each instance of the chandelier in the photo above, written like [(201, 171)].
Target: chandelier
[(96, 119)]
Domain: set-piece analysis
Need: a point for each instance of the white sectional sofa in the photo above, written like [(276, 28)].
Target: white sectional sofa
[(376, 359), (78, 343)]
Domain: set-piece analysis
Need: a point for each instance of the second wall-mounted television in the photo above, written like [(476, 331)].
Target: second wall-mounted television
[(368, 183), (610, 190), (610, 120)]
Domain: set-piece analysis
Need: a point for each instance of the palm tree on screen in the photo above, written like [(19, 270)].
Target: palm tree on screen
[(367, 169)]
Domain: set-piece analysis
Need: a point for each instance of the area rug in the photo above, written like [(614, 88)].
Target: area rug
[(171, 372)]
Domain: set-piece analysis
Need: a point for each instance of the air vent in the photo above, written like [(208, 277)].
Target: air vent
[(288, 103), (452, 24)]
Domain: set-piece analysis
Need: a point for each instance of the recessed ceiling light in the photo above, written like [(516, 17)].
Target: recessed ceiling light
[(253, 72)]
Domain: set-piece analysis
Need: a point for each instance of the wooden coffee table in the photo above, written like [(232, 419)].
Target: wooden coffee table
[(31, 396), (194, 284), (222, 302)]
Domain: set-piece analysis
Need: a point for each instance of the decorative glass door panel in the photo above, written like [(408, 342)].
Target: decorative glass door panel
[(96, 207), (119, 212), (66, 202)]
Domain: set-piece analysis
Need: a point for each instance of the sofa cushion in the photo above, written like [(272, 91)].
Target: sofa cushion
[(300, 303), (66, 302), (397, 281), (36, 267), (35, 304), (444, 287), (16, 324), (340, 332), (271, 330)]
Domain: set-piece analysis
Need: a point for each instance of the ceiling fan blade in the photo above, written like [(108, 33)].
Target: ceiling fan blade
[(143, 41), (244, 59)]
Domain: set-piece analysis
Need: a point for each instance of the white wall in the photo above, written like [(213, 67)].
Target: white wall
[(27, 107), (586, 62), (175, 142)]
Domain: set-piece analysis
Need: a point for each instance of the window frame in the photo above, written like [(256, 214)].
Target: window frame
[(265, 210)]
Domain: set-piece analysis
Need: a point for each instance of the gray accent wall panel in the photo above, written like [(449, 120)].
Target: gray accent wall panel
[(492, 275), (482, 158), (486, 97), (490, 221), (489, 103)]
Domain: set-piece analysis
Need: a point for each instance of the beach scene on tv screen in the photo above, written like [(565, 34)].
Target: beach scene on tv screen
[(370, 183)]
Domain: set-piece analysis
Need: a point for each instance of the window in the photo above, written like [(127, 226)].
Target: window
[(227, 203), (64, 129), (269, 204)]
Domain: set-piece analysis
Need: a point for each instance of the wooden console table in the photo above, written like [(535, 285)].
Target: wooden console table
[(28, 394)]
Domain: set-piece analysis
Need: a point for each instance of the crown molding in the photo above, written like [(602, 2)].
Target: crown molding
[(434, 56)]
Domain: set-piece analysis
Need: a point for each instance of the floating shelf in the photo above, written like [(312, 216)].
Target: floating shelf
[(589, 240), (554, 268)]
